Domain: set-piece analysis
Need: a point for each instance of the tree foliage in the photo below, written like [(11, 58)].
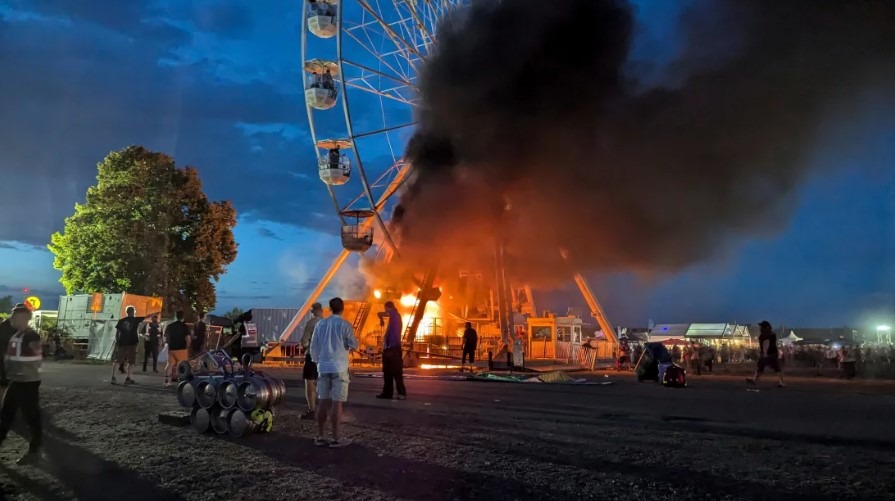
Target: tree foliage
[(6, 304), (146, 228), (234, 313)]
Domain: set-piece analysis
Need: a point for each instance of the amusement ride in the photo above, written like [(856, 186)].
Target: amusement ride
[(360, 59)]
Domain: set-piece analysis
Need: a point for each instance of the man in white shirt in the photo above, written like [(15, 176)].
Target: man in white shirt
[(330, 344)]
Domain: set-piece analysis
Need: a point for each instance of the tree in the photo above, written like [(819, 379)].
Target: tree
[(234, 313), (6, 304), (147, 228)]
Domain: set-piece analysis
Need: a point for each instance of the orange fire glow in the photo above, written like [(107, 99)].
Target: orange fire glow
[(432, 318)]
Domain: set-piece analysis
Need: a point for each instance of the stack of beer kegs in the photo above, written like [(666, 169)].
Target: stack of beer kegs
[(238, 402)]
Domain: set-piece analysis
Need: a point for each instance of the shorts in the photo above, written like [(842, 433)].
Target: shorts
[(309, 371), (176, 356), (772, 362), (333, 386), (470, 354), (127, 354)]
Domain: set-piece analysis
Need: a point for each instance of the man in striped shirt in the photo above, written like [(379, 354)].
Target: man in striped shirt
[(331, 342)]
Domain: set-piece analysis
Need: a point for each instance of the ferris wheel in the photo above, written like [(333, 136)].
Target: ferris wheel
[(360, 59)]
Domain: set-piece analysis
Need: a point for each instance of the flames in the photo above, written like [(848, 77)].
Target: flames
[(432, 323), (433, 318)]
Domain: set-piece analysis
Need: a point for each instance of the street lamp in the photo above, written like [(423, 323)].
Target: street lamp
[(883, 331)]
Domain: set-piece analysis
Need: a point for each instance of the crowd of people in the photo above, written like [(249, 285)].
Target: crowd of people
[(328, 343), (841, 358), (181, 340)]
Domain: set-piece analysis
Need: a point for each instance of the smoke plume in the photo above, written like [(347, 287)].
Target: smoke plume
[(532, 128)]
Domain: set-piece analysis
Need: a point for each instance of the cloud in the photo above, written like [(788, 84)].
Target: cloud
[(268, 233), (21, 246), (82, 79)]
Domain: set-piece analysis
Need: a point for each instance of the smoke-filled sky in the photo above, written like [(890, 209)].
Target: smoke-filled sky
[(745, 165), (543, 107)]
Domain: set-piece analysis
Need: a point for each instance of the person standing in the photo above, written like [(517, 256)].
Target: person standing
[(331, 341), (309, 371), (126, 340), (767, 343), (200, 335), (177, 335), (470, 344), (151, 343), (392, 359), (20, 376)]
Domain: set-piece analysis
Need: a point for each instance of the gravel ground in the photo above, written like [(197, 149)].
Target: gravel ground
[(466, 440)]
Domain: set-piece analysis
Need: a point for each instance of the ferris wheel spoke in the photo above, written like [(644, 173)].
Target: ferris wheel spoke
[(385, 180), (383, 130), (382, 58), (393, 35), (387, 93), (427, 35), (371, 70)]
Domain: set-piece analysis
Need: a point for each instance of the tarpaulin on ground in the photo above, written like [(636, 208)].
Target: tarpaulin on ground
[(555, 377)]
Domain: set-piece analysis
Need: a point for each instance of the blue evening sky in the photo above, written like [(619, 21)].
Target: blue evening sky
[(217, 84)]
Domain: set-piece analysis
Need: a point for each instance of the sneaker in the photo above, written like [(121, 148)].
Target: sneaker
[(307, 415), (113, 380), (129, 381), (384, 397), (339, 443), (402, 397), (30, 458), (321, 441)]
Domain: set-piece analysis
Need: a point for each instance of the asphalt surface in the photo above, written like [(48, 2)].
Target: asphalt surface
[(474, 440)]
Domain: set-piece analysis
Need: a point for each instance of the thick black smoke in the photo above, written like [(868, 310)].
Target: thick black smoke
[(531, 128)]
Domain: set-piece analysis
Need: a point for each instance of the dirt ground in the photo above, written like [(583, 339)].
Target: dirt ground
[(459, 440)]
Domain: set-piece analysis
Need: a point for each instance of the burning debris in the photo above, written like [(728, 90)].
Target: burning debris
[(536, 127)]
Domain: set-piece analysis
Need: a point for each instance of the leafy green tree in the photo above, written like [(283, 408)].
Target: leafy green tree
[(146, 228), (234, 313)]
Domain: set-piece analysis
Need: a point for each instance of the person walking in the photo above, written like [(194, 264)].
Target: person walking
[(470, 344), (331, 341), (392, 358), (151, 336), (20, 376), (767, 342), (177, 335), (126, 340), (309, 371)]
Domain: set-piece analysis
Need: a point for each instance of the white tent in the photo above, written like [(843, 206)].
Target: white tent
[(790, 339)]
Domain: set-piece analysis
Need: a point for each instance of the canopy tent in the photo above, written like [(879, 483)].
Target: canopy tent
[(790, 339)]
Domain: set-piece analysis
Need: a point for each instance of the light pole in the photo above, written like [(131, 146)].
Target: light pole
[(884, 332)]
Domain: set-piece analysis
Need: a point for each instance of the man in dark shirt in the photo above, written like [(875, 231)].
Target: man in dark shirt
[(392, 357), (151, 334), (470, 342), (126, 340), (199, 335), (177, 335), (768, 353)]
